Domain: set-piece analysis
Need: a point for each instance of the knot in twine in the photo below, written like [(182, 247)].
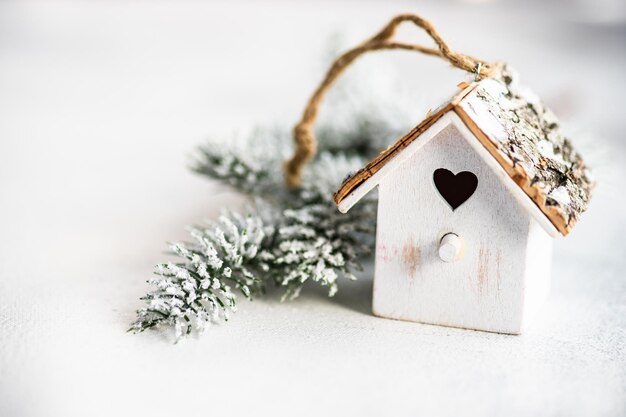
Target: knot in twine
[(304, 138)]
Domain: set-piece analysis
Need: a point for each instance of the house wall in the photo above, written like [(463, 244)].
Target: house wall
[(486, 288), (538, 271)]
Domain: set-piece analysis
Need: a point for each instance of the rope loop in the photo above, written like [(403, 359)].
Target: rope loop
[(304, 138)]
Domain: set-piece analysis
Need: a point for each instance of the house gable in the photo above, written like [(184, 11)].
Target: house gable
[(446, 120)]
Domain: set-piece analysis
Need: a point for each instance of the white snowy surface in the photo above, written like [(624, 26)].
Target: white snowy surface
[(101, 104)]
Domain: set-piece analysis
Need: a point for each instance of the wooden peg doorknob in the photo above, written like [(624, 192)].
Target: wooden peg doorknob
[(450, 247)]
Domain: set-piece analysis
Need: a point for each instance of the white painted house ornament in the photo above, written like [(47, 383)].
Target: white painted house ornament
[(469, 200)]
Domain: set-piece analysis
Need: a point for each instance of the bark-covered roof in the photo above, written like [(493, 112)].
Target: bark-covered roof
[(522, 135)]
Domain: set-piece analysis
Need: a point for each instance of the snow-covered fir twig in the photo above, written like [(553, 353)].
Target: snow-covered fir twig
[(198, 288), (288, 238)]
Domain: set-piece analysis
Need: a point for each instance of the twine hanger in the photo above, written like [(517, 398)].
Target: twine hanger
[(304, 138)]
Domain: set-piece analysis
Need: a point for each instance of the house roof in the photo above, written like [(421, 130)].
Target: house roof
[(522, 135)]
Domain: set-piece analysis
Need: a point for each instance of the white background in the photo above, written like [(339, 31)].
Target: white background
[(101, 104)]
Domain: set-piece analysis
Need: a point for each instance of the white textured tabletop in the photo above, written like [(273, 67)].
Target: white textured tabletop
[(101, 104)]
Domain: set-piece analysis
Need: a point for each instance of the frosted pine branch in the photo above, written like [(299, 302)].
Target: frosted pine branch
[(289, 239)]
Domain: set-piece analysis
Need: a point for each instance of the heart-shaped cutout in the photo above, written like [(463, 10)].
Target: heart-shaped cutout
[(455, 189)]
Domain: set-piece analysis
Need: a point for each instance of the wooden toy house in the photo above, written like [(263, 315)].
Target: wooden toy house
[(469, 202)]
